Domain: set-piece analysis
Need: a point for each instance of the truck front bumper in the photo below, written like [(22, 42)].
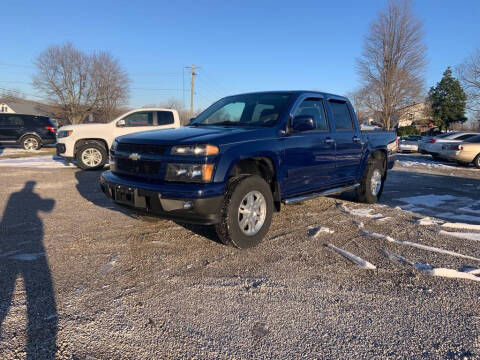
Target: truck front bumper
[(187, 203)]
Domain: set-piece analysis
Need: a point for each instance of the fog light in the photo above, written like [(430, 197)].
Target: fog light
[(187, 204)]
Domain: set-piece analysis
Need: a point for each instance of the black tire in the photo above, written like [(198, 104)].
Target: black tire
[(365, 193), (476, 161), (91, 146), (31, 142), (228, 230)]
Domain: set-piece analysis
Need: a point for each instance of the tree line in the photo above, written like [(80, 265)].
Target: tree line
[(391, 68)]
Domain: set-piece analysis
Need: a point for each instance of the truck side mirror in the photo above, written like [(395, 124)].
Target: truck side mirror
[(302, 123), (191, 121), (121, 123)]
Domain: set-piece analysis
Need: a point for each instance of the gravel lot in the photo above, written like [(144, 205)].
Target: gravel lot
[(82, 279)]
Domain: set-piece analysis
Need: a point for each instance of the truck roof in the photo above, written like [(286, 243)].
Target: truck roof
[(298, 92)]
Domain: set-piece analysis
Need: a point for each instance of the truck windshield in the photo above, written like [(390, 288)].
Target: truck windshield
[(262, 109)]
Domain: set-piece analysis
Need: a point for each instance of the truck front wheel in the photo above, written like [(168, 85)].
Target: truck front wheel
[(371, 186), (91, 156), (246, 213)]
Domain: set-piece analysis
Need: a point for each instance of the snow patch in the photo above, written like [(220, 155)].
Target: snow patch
[(27, 257), (353, 258), (39, 162), (461, 217), (460, 235), (427, 221), (445, 272), (461, 226), (367, 213), (416, 245), (315, 231), (430, 200)]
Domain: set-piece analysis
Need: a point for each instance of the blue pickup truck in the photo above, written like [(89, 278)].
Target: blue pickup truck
[(237, 162)]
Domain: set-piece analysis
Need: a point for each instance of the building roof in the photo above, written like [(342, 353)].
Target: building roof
[(30, 108)]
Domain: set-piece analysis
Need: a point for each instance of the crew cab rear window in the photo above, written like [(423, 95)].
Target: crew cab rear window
[(341, 115), (164, 118), (139, 119)]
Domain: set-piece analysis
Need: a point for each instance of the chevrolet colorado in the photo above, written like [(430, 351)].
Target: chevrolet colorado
[(237, 162)]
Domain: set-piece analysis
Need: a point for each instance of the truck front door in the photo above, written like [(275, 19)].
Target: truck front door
[(309, 156)]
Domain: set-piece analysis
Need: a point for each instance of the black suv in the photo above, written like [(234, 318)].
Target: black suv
[(30, 131)]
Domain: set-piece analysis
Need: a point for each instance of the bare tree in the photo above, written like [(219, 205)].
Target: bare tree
[(469, 75), (358, 100), (80, 84), (392, 62), (111, 83), (7, 95)]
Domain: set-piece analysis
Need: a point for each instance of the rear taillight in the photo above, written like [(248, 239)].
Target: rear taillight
[(51, 129), (432, 141)]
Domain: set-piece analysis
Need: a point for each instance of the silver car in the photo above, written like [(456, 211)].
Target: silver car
[(434, 145), (409, 143)]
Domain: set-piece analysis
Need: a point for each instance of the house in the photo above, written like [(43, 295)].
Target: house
[(417, 115)]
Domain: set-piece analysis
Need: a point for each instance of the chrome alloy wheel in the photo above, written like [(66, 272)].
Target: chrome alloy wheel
[(30, 144), (91, 157), (376, 182), (252, 213)]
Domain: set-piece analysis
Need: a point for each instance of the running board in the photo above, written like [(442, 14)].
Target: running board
[(323, 193)]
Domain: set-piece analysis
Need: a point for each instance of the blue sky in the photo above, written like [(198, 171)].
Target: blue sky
[(241, 46)]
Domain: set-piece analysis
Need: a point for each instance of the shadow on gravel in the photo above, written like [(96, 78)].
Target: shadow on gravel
[(88, 185), (22, 254), (202, 230)]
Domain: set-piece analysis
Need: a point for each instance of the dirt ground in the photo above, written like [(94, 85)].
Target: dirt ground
[(81, 278)]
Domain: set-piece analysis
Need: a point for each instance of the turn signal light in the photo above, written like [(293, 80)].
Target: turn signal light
[(207, 172)]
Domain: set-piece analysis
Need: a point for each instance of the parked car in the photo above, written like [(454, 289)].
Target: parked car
[(434, 145), (89, 144), (409, 143), (464, 152), (29, 131), (245, 155)]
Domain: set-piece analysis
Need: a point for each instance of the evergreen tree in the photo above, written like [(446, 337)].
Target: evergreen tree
[(448, 101)]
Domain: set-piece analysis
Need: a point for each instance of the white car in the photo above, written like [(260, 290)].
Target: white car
[(89, 143), (434, 145)]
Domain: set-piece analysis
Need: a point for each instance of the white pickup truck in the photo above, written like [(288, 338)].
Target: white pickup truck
[(88, 144)]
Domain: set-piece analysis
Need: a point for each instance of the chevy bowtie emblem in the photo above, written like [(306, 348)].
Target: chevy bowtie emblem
[(134, 156)]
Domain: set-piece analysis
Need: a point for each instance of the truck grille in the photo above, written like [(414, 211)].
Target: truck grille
[(139, 167), (141, 148)]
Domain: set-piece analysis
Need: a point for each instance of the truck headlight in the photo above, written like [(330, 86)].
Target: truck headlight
[(189, 172), (64, 133), (195, 150)]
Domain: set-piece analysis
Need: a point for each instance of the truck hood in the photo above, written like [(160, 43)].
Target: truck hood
[(84, 127), (215, 135)]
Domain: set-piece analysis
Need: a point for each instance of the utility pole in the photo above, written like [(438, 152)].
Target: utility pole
[(192, 85)]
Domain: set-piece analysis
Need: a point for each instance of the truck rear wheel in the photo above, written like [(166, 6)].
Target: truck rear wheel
[(371, 186), (246, 213), (31, 142), (91, 156)]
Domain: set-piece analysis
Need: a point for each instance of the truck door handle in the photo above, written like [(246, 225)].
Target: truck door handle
[(356, 139), (329, 141)]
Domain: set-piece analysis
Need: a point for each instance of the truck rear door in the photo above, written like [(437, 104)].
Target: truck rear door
[(309, 156), (349, 147)]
